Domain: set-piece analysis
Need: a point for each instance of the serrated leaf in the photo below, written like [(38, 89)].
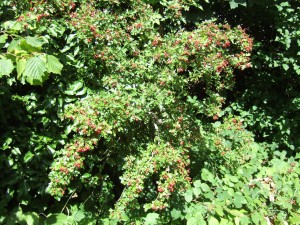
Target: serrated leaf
[(151, 219), (53, 65), (20, 67), (34, 41), (35, 71), (6, 67)]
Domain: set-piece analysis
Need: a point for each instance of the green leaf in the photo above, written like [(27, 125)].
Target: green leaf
[(58, 219), (151, 219), (74, 88), (53, 65), (188, 195), (35, 70), (20, 67), (192, 221), (79, 215), (28, 156), (256, 217), (197, 183), (213, 221), (219, 210), (207, 176), (81, 92), (34, 41), (6, 67), (205, 187), (3, 38), (14, 47), (238, 200), (295, 219), (31, 218), (12, 25), (285, 67), (175, 214), (235, 3)]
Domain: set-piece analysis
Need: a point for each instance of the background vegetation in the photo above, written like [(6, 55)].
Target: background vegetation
[(149, 112)]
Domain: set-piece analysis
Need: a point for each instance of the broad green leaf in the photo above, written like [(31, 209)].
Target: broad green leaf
[(197, 191), (224, 222), (31, 218), (175, 214), (74, 88), (257, 218), (3, 38), (213, 221), (14, 47), (28, 156), (28, 47), (188, 195), (192, 221), (245, 220), (6, 67), (20, 67), (53, 65), (235, 3), (197, 183), (81, 92), (219, 210), (207, 176), (151, 219), (35, 70), (295, 219), (58, 219), (70, 38), (205, 187), (34, 41), (285, 67), (79, 215), (86, 175), (12, 25), (238, 200)]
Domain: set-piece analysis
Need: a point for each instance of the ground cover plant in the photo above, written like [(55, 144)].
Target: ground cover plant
[(149, 112)]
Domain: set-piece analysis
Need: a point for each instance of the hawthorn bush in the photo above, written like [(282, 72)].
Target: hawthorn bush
[(128, 112)]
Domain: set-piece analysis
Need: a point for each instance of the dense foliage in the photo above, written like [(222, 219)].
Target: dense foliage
[(149, 112)]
